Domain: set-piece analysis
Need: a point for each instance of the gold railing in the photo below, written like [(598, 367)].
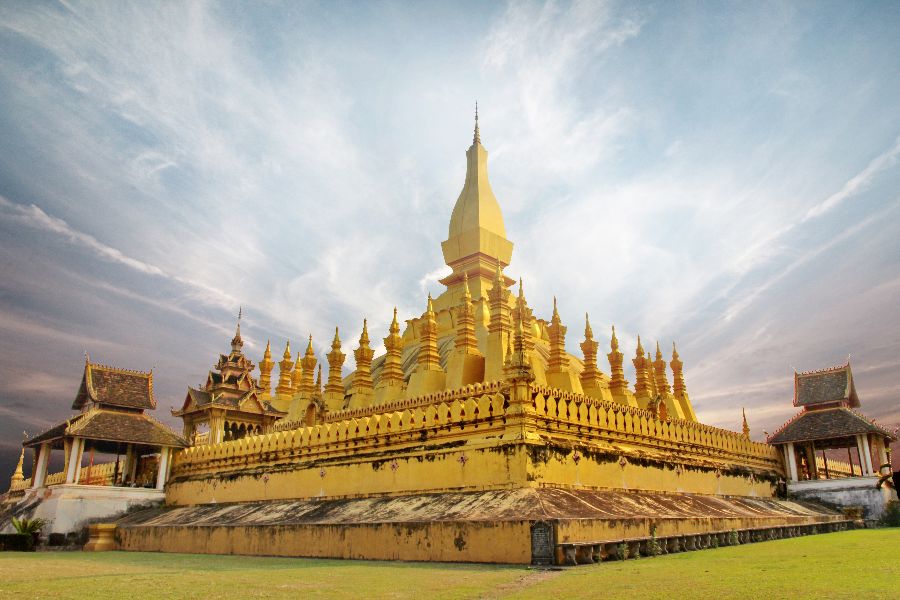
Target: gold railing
[(98, 474), (836, 469), (480, 408)]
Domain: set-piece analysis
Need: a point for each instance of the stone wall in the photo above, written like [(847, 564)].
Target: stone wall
[(850, 492)]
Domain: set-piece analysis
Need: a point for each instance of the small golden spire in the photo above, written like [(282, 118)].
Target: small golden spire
[(465, 341), (336, 359), (642, 380), (659, 372), (395, 325), (678, 385), (392, 372), (429, 359), (285, 385), (559, 360), (19, 475), (746, 426), (319, 379), (590, 375), (617, 382), (362, 377), (309, 366), (521, 289), (364, 336), (265, 369)]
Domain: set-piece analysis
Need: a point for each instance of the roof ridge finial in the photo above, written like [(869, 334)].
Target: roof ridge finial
[(477, 138)]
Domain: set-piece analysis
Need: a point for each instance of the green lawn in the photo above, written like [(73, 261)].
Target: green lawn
[(852, 564)]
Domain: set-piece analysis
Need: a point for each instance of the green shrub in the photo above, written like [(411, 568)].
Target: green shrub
[(891, 515), (653, 546), (733, 538), (621, 551), (29, 526)]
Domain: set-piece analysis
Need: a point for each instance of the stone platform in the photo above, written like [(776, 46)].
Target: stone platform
[(68, 508), (523, 525)]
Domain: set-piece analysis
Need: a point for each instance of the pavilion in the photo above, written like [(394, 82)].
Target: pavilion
[(828, 422), (112, 421)]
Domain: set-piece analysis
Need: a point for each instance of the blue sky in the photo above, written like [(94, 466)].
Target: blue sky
[(724, 175)]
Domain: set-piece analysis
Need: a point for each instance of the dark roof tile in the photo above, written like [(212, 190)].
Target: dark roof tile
[(825, 424), (115, 387), (828, 386)]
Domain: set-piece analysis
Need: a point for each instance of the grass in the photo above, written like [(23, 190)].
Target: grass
[(852, 564)]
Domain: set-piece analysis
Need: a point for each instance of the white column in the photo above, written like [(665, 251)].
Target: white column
[(792, 461), (163, 468), (74, 460), (868, 453), (80, 457), (39, 477)]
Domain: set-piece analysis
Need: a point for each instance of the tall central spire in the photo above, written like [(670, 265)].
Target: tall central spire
[(476, 242), (477, 138)]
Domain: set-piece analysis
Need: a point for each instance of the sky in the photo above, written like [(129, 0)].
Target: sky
[(723, 175)]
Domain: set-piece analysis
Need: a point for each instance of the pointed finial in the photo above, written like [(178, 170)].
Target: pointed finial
[(640, 348), (87, 358), (588, 332), (658, 352), (309, 348), (430, 308), (477, 138), (364, 336), (287, 351), (614, 342), (467, 295), (240, 313), (745, 425), (498, 276), (555, 312), (336, 342), (674, 352), (319, 378), (267, 355), (395, 325), (521, 289)]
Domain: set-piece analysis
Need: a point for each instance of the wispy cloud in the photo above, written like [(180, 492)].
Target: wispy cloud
[(858, 183)]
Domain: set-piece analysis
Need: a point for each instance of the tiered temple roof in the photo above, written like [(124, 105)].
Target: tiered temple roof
[(827, 397), (112, 401)]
